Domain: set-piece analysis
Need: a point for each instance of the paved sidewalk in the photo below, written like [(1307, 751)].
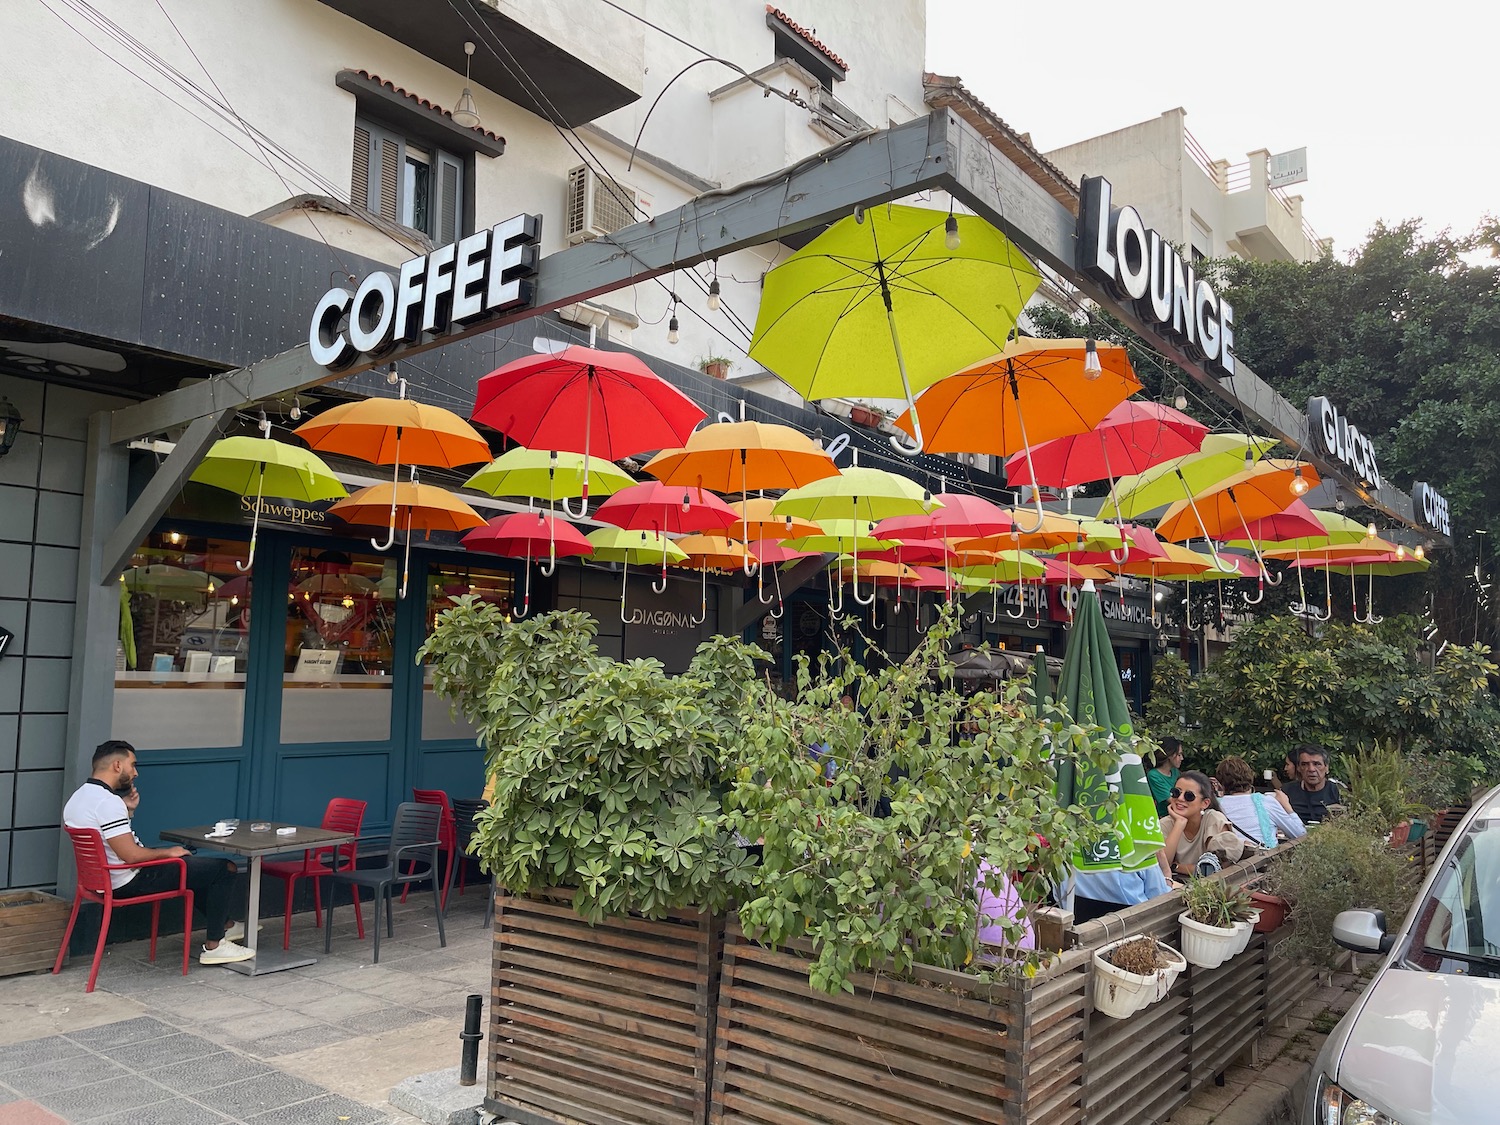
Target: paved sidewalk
[(323, 1043)]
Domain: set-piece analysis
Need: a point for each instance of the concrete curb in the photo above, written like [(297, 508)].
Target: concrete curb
[(438, 1099)]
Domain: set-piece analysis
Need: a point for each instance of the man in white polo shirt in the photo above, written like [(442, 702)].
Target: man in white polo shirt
[(106, 801)]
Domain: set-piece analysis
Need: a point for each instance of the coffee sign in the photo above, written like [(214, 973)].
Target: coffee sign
[(1431, 507), (478, 277), (1333, 436), (1134, 262)]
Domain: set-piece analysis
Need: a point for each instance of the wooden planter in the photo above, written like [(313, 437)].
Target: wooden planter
[(31, 929), (607, 1024)]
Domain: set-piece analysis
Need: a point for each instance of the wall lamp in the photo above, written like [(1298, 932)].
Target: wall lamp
[(10, 425)]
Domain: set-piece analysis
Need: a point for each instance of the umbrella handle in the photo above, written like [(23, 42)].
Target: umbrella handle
[(547, 568), (703, 597), (526, 602), (395, 482), (1020, 598), (854, 579), (994, 614), (760, 586), (835, 598), (260, 483), (624, 578), (661, 586), (1034, 622), (1151, 594), (1327, 595), (406, 566), (583, 508), (780, 605), (1370, 617), (917, 611), (1187, 608), (1260, 591), (1124, 552)]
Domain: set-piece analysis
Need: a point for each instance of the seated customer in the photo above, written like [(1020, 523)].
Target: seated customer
[(1314, 790), (1259, 817), (1164, 772), (1096, 893), (1193, 826)]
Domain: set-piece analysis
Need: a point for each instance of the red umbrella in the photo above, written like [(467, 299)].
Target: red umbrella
[(1297, 522), (623, 406), (1133, 437), (1143, 542), (667, 509), (772, 555), (522, 535)]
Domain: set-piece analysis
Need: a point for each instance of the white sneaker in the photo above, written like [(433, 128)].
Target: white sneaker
[(236, 932), (226, 952)]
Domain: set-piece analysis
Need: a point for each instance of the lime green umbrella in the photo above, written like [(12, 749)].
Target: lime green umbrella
[(1090, 687), (127, 626), (175, 583), (251, 466), (547, 475), (625, 546), (889, 301), (1006, 566), (1221, 456), (1338, 531)]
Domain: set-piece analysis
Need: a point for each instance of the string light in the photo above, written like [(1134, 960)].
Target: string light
[(296, 411), (1092, 368), (1299, 485), (1179, 398), (393, 376), (950, 232), (1420, 552), (687, 502), (714, 300), (1370, 530), (1400, 552), (174, 538), (672, 326)]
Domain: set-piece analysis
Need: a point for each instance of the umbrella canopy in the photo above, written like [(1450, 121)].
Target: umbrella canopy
[(1054, 530), (741, 456), (758, 521), (1007, 566), (425, 507), (528, 535), (395, 431), (838, 537), (618, 544), (1094, 537), (913, 551), (1220, 456), (1090, 687), (1222, 510), (933, 578), (605, 404), (1175, 561), (1144, 546), (1132, 438), (1328, 552), (171, 582), (547, 474), (1031, 392), (960, 516), (878, 305), (856, 494), (772, 552), (673, 509), (1298, 521), (1382, 564), (1336, 530), (709, 552), (1060, 572), (1231, 566), (878, 571)]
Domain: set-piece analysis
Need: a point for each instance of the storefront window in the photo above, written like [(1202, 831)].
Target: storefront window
[(446, 581), (183, 646), (340, 630)]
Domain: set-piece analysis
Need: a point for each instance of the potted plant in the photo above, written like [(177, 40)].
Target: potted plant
[(1132, 973), (1378, 784), (716, 366), (1271, 911), (1209, 934)]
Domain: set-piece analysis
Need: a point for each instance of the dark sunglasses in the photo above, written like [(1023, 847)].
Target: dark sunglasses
[(1184, 795)]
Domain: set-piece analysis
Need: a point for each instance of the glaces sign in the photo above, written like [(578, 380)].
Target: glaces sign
[(480, 276), (1336, 439), (1116, 247)]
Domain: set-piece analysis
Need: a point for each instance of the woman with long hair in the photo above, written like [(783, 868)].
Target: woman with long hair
[(1193, 826)]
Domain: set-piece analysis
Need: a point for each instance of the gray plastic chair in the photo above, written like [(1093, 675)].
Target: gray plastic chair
[(414, 842)]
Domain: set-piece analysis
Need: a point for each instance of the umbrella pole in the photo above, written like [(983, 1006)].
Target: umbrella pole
[(1370, 617), (1036, 492), (395, 484), (260, 484), (897, 443), (1187, 607), (1263, 578), (1151, 594), (588, 422), (750, 567), (702, 596), (780, 605), (1192, 503), (1327, 594), (917, 613), (661, 587), (406, 564), (1115, 500), (624, 577), (526, 603), (551, 563), (854, 575)]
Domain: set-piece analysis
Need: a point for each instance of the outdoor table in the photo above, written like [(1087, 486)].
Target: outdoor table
[(257, 845)]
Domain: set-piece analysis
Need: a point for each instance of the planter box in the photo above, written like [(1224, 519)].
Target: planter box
[(31, 929), (600, 1024), (1207, 947), (1118, 993)]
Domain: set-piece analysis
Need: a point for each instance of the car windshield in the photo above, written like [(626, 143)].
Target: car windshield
[(1458, 928)]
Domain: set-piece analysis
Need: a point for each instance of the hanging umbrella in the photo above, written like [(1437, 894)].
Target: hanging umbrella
[(547, 474), (521, 535), (960, 516), (1220, 456), (704, 553), (856, 494), (1007, 566), (1382, 563), (249, 466), (743, 456), (1090, 687), (774, 554), (984, 408), (425, 507), (174, 583), (1095, 550), (1055, 530), (624, 407), (879, 305), (669, 509), (1335, 531), (616, 544), (395, 432), (1298, 521), (839, 537), (757, 523)]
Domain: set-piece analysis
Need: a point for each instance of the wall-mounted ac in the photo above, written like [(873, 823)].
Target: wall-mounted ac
[(596, 207)]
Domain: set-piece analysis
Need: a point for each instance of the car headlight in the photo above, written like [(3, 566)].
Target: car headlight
[(1337, 1106)]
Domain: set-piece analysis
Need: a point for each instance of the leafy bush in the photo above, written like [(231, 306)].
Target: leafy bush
[(1166, 710), (1377, 785)]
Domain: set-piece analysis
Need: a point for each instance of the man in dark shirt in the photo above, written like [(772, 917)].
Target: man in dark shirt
[(1313, 793)]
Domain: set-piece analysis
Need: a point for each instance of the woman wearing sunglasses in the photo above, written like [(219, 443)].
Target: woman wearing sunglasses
[(1193, 826)]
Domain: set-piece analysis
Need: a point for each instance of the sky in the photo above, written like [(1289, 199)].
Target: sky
[(1395, 109)]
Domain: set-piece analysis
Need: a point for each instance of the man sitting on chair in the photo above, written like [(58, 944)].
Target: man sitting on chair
[(106, 801)]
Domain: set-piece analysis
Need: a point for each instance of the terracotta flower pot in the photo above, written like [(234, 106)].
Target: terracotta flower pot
[(1273, 911)]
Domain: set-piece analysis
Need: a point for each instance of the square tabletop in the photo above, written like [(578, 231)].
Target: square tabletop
[(244, 841)]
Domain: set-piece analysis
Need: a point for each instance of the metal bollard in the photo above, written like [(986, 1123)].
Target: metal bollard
[(471, 1035)]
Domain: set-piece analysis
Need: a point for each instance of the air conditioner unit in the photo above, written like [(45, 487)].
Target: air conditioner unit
[(596, 207)]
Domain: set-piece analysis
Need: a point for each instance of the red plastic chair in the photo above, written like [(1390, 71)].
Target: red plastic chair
[(94, 886), (447, 838), (342, 815)]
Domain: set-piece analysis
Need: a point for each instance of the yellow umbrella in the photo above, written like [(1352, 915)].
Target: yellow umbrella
[(709, 552), (426, 507)]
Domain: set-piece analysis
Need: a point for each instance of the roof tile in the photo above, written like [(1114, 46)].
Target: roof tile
[(424, 103), (806, 34)]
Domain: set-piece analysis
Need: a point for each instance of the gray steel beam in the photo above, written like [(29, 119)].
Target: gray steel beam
[(748, 613), (167, 482)]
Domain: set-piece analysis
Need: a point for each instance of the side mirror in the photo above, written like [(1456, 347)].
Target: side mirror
[(1363, 931)]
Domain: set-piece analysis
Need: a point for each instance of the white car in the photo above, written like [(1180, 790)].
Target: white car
[(1422, 1045)]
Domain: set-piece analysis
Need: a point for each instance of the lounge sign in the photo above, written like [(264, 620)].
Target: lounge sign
[(1338, 440), (1117, 248), (481, 276)]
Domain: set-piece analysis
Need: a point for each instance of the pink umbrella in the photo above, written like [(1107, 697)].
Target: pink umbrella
[(909, 552), (1296, 522), (1143, 545), (667, 509), (523, 535)]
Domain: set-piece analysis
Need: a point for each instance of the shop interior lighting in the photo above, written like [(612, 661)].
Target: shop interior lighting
[(465, 114), (1092, 368)]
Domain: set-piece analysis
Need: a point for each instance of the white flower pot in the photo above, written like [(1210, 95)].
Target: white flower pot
[(1207, 947), (1242, 930), (1119, 994)]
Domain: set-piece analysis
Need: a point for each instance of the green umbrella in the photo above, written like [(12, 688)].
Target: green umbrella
[(1221, 456), (547, 475), (889, 301), (1090, 687), (127, 627), (1041, 680), (617, 544), (251, 466)]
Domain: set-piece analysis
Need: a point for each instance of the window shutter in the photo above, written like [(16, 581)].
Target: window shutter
[(375, 184), (450, 178), (359, 183)]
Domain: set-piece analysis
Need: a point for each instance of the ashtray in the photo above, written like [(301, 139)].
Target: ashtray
[(260, 826), (286, 831)]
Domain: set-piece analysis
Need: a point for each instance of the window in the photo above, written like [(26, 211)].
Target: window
[(408, 181)]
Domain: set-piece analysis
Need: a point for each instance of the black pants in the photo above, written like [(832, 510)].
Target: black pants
[(215, 887)]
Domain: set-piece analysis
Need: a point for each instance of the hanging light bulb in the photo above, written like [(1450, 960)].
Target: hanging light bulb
[(1420, 552), (1249, 457), (263, 424), (672, 334), (234, 599), (296, 411), (950, 232), (1299, 485), (687, 502), (1370, 530), (1179, 398), (1400, 552), (348, 602), (466, 114), (714, 301), (393, 376), (174, 538), (1092, 368)]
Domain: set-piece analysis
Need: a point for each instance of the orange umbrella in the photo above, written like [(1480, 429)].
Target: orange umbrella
[(741, 456), (708, 552), (395, 431), (1066, 387), (426, 507), (1054, 530), (758, 522)]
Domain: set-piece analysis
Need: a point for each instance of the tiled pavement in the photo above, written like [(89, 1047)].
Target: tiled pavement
[(318, 1044)]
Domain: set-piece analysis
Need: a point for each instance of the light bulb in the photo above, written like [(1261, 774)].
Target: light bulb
[(672, 335), (1299, 485), (307, 597), (713, 296), (296, 410), (174, 538), (393, 376), (348, 602), (1092, 368), (1400, 551), (687, 502), (211, 586), (234, 599), (1159, 595), (1370, 530), (1179, 399), (950, 233), (1420, 552)]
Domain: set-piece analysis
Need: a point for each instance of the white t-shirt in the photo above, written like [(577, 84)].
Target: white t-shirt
[(1240, 810), (96, 805)]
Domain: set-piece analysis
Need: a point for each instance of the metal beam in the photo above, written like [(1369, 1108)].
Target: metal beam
[(170, 476), (748, 613)]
